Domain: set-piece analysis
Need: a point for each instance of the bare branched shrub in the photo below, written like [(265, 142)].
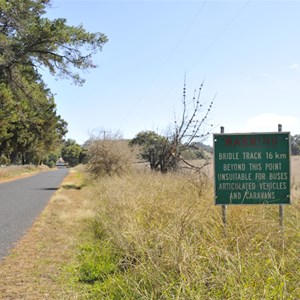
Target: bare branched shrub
[(184, 142), (109, 156), (192, 129)]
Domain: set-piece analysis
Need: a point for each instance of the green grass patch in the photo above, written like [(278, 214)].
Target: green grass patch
[(97, 263)]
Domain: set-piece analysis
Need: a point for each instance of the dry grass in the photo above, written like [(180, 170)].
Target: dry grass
[(170, 243), (295, 166), (35, 268), (13, 172), (154, 237)]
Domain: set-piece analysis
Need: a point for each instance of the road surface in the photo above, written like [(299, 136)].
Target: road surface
[(21, 201)]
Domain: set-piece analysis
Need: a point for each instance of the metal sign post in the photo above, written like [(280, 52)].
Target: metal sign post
[(281, 210), (224, 207)]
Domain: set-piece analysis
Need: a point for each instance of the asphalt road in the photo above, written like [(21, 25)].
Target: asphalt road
[(21, 201)]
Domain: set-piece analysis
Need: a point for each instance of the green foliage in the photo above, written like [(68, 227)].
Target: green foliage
[(97, 262), (51, 159), (155, 149), (164, 154), (29, 39), (30, 128), (4, 161), (72, 153)]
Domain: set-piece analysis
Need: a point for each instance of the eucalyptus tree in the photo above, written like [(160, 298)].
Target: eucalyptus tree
[(30, 42), (28, 38), (72, 152), (32, 126)]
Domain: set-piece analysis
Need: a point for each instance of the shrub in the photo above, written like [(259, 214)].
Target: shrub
[(4, 161), (109, 157)]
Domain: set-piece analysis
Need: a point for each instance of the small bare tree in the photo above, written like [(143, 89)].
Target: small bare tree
[(164, 153), (192, 129)]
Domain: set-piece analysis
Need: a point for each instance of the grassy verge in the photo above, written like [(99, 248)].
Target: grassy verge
[(160, 237), (12, 172)]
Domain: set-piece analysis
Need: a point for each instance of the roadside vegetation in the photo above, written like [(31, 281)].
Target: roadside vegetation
[(147, 235), (12, 172), (127, 229), (159, 236)]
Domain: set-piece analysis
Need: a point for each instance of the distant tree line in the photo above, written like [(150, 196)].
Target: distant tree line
[(70, 151), (30, 128)]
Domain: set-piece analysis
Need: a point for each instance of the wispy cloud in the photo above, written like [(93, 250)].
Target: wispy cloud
[(294, 66)]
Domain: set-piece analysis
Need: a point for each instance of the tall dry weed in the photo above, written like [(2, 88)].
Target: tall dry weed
[(171, 243)]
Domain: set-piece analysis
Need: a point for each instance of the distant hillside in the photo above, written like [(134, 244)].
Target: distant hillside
[(197, 151), (206, 148)]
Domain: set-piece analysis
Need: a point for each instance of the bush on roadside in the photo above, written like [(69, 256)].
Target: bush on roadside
[(4, 161), (109, 157)]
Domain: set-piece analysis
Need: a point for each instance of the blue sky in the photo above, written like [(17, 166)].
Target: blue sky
[(247, 53)]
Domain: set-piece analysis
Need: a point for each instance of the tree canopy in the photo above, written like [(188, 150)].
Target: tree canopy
[(155, 149), (72, 153), (30, 42), (27, 39)]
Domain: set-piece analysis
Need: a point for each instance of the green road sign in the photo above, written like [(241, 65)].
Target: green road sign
[(252, 168)]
